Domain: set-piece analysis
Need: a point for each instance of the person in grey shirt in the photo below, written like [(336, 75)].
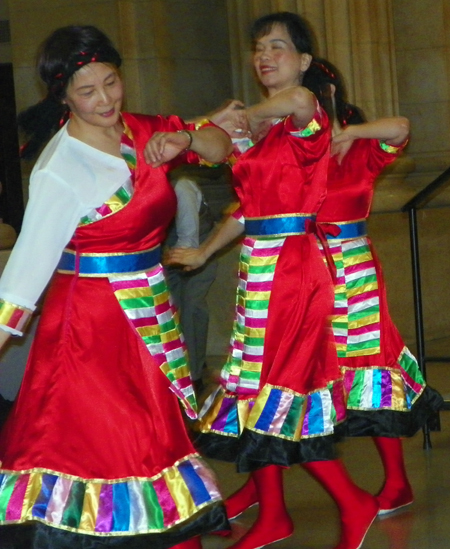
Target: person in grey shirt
[(192, 224)]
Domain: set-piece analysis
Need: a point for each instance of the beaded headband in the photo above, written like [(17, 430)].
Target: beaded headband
[(79, 60), (325, 69)]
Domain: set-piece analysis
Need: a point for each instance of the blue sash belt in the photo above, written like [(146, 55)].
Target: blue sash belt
[(353, 229), (277, 226), (103, 265)]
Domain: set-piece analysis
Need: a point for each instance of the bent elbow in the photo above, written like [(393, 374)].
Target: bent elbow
[(403, 128)]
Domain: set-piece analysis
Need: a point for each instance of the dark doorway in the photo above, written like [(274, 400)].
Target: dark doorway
[(11, 199)]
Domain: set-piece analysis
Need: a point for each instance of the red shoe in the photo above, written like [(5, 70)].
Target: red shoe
[(394, 500), (259, 535), (355, 531), (241, 500)]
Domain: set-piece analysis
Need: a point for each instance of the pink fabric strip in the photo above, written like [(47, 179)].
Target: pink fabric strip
[(364, 329), (166, 501), (15, 504), (363, 297)]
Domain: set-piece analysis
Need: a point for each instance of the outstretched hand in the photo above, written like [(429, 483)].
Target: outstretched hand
[(164, 146), (189, 258), (231, 117), (340, 145)]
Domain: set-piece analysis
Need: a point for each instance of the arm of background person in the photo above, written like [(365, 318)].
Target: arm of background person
[(193, 258), (187, 223)]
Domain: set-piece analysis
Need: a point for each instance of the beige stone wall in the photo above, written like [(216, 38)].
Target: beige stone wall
[(186, 56), (176, 53), (422, 40)]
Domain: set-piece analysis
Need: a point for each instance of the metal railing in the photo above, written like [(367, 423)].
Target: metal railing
[(418, 201)]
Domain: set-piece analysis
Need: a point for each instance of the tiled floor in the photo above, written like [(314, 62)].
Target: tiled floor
[(424, 525)]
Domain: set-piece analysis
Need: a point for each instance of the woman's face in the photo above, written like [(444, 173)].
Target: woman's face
[(277, 63), (94, 95)]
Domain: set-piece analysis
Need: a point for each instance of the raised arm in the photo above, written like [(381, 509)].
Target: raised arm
[(393, 130), (296, 101)]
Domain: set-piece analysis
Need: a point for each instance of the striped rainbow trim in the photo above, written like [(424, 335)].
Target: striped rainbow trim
[(13, 318), (108, 507), (312, 128), (114, 204), (381, 387), (224, 414), (283, 413), (121, 197), (356, 316), (146, 302), (276, 411), (242, 371)]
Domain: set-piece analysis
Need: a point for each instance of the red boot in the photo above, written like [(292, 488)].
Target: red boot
[(357, 508), (273, 522), (193, 543), (396, 492), (242, 499)]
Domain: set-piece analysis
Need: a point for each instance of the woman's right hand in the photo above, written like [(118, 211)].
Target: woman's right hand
[(189, 258), (231, 117)]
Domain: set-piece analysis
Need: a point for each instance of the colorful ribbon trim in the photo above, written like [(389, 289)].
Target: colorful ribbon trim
[(356, 315), (104, 265), (384, 388), (242, 372), (392, 149), (146, 302), (14, 317), (108, 507), (277, 226), (125, 193), (276, 411)]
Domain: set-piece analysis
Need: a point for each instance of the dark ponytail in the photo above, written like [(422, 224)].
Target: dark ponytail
[(317, 79)]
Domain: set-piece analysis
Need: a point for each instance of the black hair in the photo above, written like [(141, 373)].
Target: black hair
[(297, 27), (64, 52), (317, 78)]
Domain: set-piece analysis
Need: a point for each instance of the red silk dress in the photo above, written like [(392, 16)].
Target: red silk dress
[(281, 394), (385, 392), (96, 449)]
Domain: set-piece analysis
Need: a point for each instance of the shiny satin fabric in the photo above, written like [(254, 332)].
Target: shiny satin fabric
[(95, 423), (382, 377)]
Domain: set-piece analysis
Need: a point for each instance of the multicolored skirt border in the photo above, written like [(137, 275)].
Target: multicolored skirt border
[(103, 508)]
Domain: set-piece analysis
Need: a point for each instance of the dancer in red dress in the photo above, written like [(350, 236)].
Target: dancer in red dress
[(95, 452), (387, 397), (281, 395)]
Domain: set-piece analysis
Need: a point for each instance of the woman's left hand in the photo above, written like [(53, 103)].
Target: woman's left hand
[(164, 146)]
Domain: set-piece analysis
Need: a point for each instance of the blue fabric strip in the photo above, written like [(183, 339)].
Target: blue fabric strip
[(40, 507), (121, 507), (356, 229), (195, 484), (315, 416), (272, 226), (376, 387), (270, 409), (110, 264)]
